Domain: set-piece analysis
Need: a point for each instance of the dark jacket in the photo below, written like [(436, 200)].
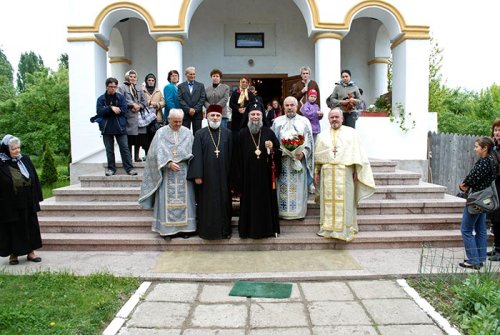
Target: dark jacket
[(7, 201), (112, 124), (195, 100)]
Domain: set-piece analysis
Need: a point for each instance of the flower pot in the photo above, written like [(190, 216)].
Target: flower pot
[(374, 114)]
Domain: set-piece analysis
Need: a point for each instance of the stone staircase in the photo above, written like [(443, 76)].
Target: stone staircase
[(101, 213)]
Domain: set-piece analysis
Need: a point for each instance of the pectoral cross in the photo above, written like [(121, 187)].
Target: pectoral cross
[(335, 151), (217, 152)]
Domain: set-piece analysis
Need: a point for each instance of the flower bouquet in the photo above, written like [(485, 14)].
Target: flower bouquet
[(292, 144)]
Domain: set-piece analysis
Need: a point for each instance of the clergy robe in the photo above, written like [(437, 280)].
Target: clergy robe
[(338, 155), (168, 192), (213, 196), (293, 185), (254, 182)]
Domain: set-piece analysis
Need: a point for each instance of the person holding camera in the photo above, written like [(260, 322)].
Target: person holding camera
[(346, 96)]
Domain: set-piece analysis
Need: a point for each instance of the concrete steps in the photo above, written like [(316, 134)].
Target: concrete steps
[(101, 213), (285, 241)]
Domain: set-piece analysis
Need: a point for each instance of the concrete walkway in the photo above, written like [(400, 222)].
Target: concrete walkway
[(359, 296)]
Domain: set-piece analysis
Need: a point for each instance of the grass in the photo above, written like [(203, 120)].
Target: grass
[(61, 303), (470, 302)]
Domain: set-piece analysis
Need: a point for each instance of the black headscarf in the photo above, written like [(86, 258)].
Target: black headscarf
[(150, 89)]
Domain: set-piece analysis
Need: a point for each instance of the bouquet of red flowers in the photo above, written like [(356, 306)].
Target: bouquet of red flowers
[(293, 141), (292, 144)]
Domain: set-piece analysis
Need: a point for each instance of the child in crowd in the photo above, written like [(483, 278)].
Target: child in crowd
[(312, 111)]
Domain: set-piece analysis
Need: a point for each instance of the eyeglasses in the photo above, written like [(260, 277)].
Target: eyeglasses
[(112, 86)]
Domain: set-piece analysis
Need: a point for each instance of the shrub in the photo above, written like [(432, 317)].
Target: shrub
[(49, 170)]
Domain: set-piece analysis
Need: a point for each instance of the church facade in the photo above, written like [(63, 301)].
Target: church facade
[(260, 39)]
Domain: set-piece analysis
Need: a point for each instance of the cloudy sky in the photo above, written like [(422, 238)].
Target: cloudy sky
[(469, 35)]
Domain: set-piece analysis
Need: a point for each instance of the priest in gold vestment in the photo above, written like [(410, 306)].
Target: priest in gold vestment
[(343, 177)]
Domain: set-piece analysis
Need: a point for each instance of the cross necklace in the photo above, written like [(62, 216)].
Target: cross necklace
[(257, 144), (217, 151)]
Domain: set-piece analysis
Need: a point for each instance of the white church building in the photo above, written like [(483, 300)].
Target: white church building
[(108, 38)]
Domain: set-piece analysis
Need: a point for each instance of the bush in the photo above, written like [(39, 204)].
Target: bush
[(49, 170)]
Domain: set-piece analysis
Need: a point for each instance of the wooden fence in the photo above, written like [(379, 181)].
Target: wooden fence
[(451, 157)]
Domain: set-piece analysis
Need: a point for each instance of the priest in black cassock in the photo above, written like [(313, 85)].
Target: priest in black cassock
[(257, 164), (209, 169)]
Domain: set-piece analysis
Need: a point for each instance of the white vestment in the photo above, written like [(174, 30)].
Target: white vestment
[(337, 157), (293, 184)]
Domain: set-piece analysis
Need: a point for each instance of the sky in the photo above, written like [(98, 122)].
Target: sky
[(468, 34)]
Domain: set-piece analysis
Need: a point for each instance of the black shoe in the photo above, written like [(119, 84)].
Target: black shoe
[(13, 261), (495, 257), (467, 261), (167, 238), (470, 266), (34, 259), (491, 253), (109, 173), (185, 236)]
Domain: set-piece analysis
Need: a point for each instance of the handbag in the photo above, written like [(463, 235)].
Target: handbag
[(484, 201), (146, 116)]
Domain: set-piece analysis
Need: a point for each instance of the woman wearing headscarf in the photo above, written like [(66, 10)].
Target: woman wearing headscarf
[(238, 103), (136, 101), (154, 99), (20, 195)]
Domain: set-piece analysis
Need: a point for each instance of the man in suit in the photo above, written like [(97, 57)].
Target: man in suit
[(191, 98)]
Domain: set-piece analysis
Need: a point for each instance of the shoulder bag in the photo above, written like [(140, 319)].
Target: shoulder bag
[(146, 116), (484, 201)]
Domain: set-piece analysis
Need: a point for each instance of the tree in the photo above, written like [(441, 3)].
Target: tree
[(49, 170), (437, 90), (29, 63), (64, 61), (41, 113), (6, 76)]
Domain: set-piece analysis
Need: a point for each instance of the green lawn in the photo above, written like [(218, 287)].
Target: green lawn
[(470, 302), (61, 303)]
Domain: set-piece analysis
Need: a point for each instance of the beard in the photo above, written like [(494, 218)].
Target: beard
[(255, 126), (214, 125), (290, 114)]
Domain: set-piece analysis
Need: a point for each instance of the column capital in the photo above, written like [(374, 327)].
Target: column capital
[(119, 60), (336, 36), (378, 60), (169, 38)]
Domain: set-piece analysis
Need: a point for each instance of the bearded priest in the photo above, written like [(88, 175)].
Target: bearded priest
[(257, 159), (344, 177), (209, 169)]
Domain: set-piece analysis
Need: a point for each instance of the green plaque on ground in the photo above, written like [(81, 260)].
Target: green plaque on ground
[(261, 290)]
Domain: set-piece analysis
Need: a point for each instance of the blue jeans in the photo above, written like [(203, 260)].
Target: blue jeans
[(475, 245), (109, 144)]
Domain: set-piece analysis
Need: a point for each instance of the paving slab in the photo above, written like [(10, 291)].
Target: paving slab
[(345, 330), (287, 314), (220, 315), (205, 331), (410, 330), (377, 289), (326, 291), (333, 313), (218, 293), (396, 311), (280, 331), (159, 315), (149, 331), (181, 292)]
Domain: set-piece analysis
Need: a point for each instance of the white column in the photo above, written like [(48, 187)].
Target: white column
[(327, 59), (378, 79), (118, 67), (410, 87), (86, 84), (169, 49)]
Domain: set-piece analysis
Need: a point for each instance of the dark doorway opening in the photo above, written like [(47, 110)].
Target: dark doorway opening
[(268, 89)]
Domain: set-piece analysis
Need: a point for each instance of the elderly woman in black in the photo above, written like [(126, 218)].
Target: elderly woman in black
[(20, 194)]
